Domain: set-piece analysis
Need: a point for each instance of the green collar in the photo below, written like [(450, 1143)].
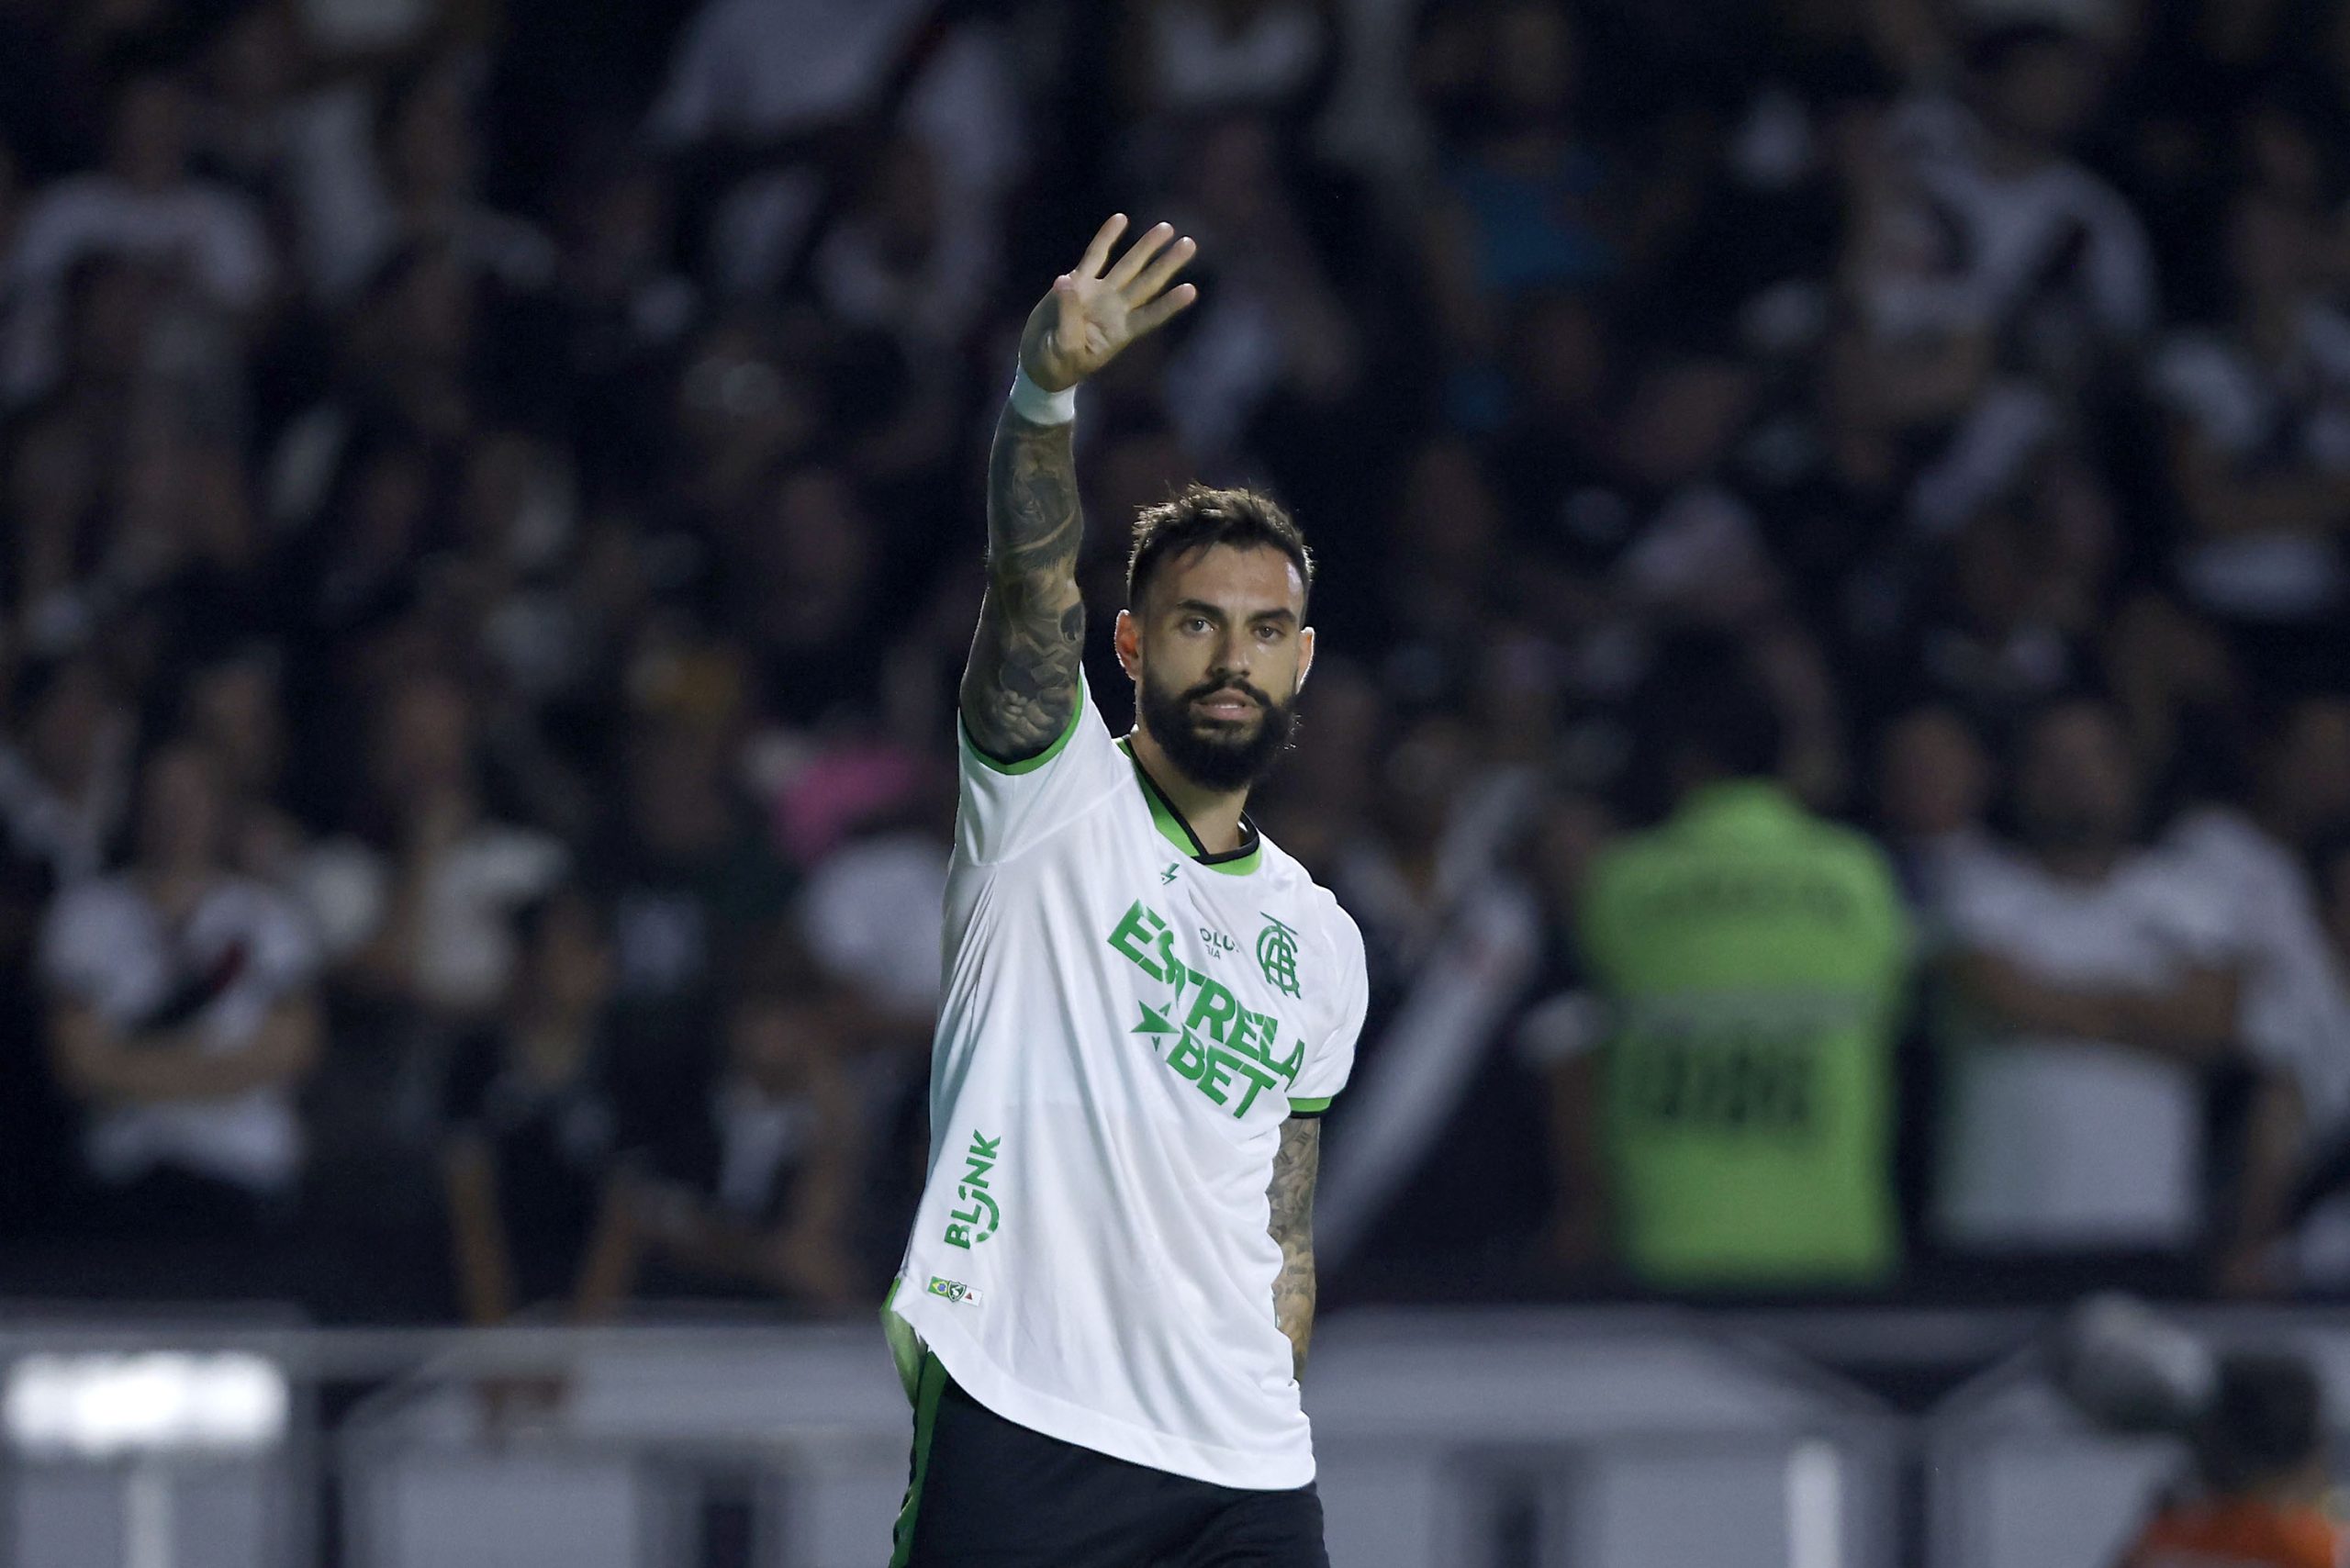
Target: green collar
[(1238, 862), (1738, 798)]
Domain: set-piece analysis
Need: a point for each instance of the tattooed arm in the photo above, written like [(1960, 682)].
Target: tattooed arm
[(1294, 1168), (1020, 685)]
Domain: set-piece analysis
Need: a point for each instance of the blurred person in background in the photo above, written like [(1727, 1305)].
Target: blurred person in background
[(1934, 788), (759, 90), (414, 905), (65, 768), (235, 707), (65, 760), (183, 1020), (201, 243), (1453, 932), (2260, 1492), (807, 594), (532, 1130), (2259, 440), (1523, 202), (1181, 58), (1734, 1128), (422, 915), (693, 884), (2039, 250), (754, 1192), (2255, 853), (2256, 1489), (2094, 985)]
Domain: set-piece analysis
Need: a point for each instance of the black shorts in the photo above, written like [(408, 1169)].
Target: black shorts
[(988, 1492)]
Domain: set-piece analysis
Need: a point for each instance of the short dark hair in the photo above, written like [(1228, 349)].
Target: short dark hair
[(1703, 696), (1199, 517), (2266, 1420)]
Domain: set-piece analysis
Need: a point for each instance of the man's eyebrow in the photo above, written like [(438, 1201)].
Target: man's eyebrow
[(1216, 611)]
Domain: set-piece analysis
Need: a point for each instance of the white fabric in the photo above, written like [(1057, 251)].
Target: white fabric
[(2298, 412), (2296, 997), (858, 906), (107, 946), (69, 837), (759, 1136), (2055, 1142), (1106, 1110), (2012, 226), (756, 69), (1199, 66), (1038, 406), (210, 231), (466, 944)]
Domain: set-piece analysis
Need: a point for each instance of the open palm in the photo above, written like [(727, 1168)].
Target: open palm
[(1095, 310)]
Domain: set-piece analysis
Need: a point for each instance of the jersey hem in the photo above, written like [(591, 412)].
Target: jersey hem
[(1310, 1107), (1057, 1418)]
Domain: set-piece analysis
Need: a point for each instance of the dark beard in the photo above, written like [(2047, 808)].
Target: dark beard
[(1209, 759)]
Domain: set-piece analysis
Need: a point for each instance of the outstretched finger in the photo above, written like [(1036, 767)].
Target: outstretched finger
[(1140, 254), (1155, 315), (1097, 254), (1162, 272)]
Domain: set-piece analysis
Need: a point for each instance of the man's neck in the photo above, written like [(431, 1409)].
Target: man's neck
[(1215, 816)]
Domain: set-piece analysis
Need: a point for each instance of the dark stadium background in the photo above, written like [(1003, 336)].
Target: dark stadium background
[(518, 466)]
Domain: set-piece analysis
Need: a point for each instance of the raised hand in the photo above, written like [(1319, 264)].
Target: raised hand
[(1098, 308)]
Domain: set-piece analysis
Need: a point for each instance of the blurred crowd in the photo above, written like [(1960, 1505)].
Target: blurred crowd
[(492, 523)]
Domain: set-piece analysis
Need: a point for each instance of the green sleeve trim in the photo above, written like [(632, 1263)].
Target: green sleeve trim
[(1311, 1107), (1028, 764)]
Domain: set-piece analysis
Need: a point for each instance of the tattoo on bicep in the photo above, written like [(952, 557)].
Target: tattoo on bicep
[(1295, 1167), (1021, 683)]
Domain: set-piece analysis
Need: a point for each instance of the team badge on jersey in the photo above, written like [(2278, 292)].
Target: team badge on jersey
[(1277, 956), (955, 1291)]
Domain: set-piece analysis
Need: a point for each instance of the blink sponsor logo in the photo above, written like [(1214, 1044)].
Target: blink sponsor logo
[(978, 1219)]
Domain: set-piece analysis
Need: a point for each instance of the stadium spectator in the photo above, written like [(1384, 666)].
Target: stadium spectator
[(420, 912), (533, 1134), (183, 1018), (2259, 443), (201, 243), (1734, 1130), (755, 1191), (2255, 1494), (1454, 936), (2037, 248), (2094, 982), (692, 885), (1933, 794), (65, 782)]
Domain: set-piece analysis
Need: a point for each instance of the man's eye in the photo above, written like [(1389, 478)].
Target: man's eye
[(1195, 623), (1268, 633)]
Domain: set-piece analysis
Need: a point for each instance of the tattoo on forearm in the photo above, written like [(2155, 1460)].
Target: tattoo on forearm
[(1291, 1194), (1020, 685)]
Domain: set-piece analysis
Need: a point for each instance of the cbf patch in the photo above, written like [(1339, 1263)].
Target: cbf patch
[(955, 1291)]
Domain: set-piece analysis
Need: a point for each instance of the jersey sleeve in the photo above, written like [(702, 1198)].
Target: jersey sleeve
[(1331, 1062), (1008, 807)]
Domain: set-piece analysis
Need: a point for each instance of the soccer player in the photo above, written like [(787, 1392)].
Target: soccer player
[(1105, 1302)]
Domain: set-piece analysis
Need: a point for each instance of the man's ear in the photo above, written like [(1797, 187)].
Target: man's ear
[(1304, 658), (1127, 639)]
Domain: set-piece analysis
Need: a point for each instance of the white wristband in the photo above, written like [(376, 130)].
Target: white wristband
[(1038, 406)]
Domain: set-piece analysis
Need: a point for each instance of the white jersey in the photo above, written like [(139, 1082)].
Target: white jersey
[(1126, 1022)]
